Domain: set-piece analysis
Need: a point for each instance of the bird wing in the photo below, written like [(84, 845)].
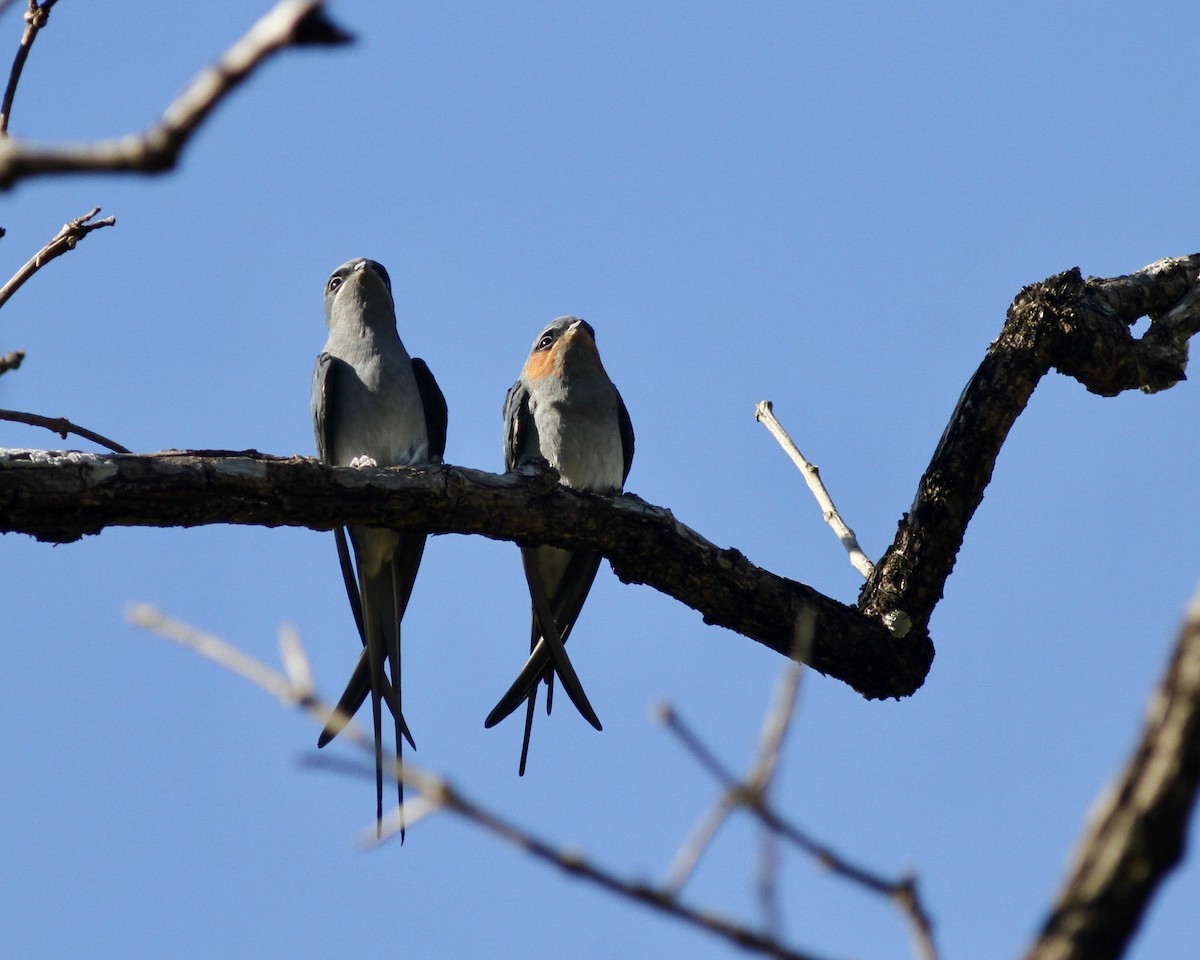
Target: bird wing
[(436, 412), (517, 422), (325, 376), (626, 427)]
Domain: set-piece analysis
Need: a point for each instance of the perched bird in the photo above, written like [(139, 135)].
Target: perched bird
[(374, 405), (564, 409)]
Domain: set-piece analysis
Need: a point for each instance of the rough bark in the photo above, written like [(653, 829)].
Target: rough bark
[(1137, 833), (62, 497), (1083, 329)]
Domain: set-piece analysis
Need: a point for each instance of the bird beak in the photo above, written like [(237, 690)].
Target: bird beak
[(577, 330)]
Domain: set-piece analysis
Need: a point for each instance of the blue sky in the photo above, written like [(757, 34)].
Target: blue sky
[(827, 205)]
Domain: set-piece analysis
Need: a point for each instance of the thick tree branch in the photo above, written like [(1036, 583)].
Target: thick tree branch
[(1137, 833), (62, 497), (290, 23), (1082, 328)]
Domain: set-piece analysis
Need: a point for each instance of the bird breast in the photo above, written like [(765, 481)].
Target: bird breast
[(581, 439)]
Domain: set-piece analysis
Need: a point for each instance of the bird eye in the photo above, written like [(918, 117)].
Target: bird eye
[(545, 342), (334, 283)]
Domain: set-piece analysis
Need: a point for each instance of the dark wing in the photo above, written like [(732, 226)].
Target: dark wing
[(626, 426), (436, 411), (324, 380), (517, 423), (324, 389)]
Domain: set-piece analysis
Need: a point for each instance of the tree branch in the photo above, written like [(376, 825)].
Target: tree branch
[(1082, 328), (36, 17), (60, 425), (1137, 832), (437, 793), (11, 361), (66, 239), (61, 498), (290, 23), (765, 415)]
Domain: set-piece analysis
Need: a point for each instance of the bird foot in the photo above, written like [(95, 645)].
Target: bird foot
[(359, 463)]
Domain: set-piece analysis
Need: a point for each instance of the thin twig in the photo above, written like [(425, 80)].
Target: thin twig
[(290, 23), (439, 794), (71, 233), (753, 795), (687, 859), (36, 17), (11, 361), (766, 884), (812, 476), (240, 663), (657, 898), (62, 426), (737, 793), (902, 892)]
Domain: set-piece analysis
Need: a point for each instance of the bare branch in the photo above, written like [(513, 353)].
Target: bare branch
[(439, 794), (752, 794), (61, 500), (11, 361), (573, 864), (62, 426), (36, 17), (764, 414), (1137, 830), (290, 23), (215, 649), (1083, 329), (71, 233)]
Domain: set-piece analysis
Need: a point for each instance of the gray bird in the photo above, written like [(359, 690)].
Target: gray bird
[(374, 405), (565, 409)]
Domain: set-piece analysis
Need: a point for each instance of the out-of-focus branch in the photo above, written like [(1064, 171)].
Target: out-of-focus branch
[(11, 361), (439, 794), (765, 415), (752, 793), (1137, 830), (290, 23), (71, 233), (62, 426), (36, 17)]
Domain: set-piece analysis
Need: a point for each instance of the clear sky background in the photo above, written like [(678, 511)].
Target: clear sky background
[(829, 205)]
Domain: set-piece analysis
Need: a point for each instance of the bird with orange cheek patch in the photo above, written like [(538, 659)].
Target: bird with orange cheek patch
[(565, 409)]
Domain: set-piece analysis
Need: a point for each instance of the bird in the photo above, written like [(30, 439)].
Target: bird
[(565, 410), (374, 405)]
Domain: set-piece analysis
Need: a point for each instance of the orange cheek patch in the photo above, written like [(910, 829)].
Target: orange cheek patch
[(540, 364)]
